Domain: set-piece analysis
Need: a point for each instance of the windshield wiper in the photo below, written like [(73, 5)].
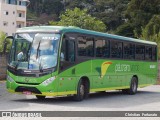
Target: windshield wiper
[(40, 66), (38, 49), (38, 55), (29, 52)]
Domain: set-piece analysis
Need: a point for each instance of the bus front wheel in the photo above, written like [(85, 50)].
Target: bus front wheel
[(81, 91), (133, 87)]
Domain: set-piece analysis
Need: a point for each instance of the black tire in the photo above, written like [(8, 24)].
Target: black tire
[(82, 91), (40, 97), (133, 87)]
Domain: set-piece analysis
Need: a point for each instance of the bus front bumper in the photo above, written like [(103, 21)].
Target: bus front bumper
[(40, 89)]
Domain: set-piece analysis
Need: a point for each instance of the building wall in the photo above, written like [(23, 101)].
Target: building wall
[(3, 66), (12, 16)]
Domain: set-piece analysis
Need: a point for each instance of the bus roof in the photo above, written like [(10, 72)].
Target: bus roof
[(79, 30)]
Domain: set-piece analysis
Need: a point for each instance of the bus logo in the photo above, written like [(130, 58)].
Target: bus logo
[(104, 67), (26, 80)]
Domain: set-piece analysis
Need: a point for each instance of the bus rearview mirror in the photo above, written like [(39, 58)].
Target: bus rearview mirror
[(5, 43)]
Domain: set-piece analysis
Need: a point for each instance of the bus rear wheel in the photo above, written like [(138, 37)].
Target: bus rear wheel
[(82, 91), (133, 87), (40, 97)]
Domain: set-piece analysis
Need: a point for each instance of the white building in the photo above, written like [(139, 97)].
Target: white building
[(12, 15)]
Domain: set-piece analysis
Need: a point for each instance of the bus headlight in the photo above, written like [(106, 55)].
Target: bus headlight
[(9, 78), (48, 81)]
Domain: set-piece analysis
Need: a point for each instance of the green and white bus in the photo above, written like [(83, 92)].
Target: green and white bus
[(63, 61)]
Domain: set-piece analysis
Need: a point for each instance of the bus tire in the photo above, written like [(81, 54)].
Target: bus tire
[(133, 87), (39, 97), (81, 91)]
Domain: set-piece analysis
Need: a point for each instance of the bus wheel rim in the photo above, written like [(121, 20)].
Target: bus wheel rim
[(82, 90), (134, 87)]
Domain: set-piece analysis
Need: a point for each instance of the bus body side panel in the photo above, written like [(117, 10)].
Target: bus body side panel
[(103, 75), (69, 78)]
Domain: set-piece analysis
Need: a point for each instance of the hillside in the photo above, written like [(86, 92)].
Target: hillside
[(132, 18)]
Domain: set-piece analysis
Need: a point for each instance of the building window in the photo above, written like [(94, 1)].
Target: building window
[(5, 12), (20, 15), (19, 26), (21, 3), (5, 23), (12, 2)]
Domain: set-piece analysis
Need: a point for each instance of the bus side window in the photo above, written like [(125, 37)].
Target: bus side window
[(154, 53), (129, 51), (67, 53), (148, 55), (71, 51), (102, 47), (140, 52), (85, 46), (116, 49)]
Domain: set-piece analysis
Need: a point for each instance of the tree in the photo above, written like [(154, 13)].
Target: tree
[(111, 12), (80, 18), (125, 30), (140, 12), (152, 31), (2, 37)]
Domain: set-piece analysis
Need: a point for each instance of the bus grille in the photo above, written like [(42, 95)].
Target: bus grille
[(31, 89), (28, 83)]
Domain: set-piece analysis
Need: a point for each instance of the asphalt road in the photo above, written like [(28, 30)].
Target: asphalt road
[(147, 99)]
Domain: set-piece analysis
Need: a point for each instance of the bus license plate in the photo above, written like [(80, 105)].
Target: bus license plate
[(27, 92)]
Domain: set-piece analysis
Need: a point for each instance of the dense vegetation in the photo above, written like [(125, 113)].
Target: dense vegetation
[(132, 18)]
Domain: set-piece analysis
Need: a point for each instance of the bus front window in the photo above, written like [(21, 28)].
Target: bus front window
[(34, 51)]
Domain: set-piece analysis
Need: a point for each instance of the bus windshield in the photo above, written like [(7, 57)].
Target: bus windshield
[(34, 51)]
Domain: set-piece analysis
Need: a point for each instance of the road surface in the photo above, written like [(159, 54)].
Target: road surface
[(147, 99)]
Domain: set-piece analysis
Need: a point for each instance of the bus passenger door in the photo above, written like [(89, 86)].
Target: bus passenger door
[(66, 84)]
